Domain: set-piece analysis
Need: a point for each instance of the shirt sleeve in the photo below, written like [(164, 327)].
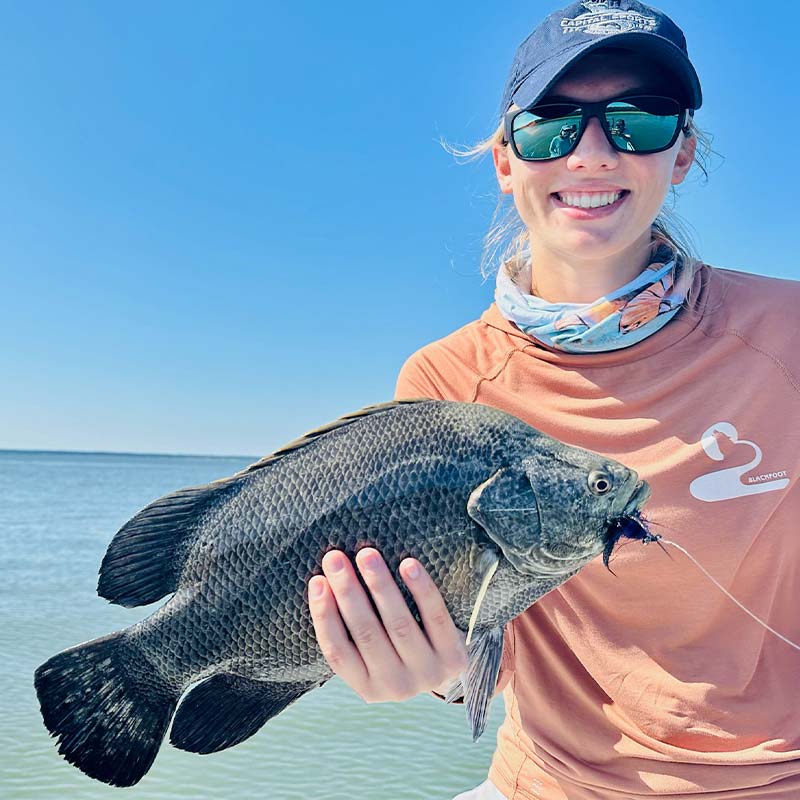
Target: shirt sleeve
[(414, 381)]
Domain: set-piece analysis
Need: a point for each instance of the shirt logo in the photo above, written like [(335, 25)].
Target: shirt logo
[(605, 16), (725, 484)]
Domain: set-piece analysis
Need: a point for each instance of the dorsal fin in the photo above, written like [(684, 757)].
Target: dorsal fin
[(315, 434), (147, 554), (145, 559)]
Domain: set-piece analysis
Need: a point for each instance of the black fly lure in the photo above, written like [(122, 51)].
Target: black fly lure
[(630, 526)]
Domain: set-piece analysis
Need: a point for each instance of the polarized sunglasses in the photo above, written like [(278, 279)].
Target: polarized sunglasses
[(642, 124)]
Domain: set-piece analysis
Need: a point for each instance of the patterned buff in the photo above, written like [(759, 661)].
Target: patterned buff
[(620, 319)]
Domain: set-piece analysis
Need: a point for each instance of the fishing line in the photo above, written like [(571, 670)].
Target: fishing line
[(661, 540), (728, 594)]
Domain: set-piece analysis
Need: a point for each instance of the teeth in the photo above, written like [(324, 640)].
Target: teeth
[(594, 200)]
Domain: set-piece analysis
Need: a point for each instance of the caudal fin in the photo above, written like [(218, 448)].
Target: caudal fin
[(108, 713)]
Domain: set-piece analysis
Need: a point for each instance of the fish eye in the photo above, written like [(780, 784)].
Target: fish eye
[(600, 482)]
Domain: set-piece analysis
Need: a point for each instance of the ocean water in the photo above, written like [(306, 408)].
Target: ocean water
[(58, 511)]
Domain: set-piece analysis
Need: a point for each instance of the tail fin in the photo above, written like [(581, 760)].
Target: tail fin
[(108, 714)]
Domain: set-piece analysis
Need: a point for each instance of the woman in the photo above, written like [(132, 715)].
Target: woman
[(606, 334)]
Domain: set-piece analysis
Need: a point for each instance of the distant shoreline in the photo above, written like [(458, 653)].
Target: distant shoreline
[(125, 453)]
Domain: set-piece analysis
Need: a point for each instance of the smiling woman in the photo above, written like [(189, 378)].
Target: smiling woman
[(638, 113), (602, 87), (607, 91), (607, 332)]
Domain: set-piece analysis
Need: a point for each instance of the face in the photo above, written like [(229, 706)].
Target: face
[(595, 166)]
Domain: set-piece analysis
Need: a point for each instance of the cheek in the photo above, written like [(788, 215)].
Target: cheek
[(659, 177), (653, 179), (530, 182)]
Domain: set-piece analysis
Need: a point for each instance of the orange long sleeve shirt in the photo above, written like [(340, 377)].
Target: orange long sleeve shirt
[(650, 682)]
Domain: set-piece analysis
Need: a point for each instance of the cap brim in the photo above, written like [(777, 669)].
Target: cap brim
[(656, 47)]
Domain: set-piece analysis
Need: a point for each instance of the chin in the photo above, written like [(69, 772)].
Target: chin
[(592, 244)]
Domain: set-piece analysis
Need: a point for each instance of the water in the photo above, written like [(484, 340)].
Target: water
[(58, 512)]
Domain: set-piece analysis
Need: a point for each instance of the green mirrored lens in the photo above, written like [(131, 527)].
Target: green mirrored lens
[(541, 137), (643, 126)]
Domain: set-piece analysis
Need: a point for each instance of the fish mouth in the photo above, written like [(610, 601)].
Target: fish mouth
[(641, 494), (630, 524)]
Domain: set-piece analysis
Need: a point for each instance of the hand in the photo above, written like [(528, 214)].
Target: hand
[(390, 657)]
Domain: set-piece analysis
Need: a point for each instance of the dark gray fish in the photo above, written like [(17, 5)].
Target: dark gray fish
[(496, 511)]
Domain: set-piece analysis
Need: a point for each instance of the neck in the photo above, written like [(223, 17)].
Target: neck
[(563, 278)]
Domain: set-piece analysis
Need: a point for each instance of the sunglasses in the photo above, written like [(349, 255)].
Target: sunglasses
[(642, 124)]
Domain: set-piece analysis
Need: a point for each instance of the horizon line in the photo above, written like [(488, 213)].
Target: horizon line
[(123, 453)]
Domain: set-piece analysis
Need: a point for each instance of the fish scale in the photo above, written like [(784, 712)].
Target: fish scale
[(497, 512)]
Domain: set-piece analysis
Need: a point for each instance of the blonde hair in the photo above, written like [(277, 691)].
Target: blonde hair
[(508, 239)]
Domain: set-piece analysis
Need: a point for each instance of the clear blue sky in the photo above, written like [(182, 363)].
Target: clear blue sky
[(226, 223)]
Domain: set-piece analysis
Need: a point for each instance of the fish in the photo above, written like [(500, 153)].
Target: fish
[(496, 511)]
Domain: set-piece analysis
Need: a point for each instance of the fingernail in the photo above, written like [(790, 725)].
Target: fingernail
[(334, 562), (316, 588), (369, 560), (413, 570)]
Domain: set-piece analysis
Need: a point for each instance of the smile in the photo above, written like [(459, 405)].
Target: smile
[(590, 205), (589, 200)]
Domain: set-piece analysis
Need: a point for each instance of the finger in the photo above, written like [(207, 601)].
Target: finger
[(409, 640), (445, 638), (340, 653), (365, 628)]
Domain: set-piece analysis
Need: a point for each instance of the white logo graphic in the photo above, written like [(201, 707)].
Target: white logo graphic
[(725, 484), (605, 16)]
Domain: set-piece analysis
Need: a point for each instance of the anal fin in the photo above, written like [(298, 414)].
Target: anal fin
[(226, 709)]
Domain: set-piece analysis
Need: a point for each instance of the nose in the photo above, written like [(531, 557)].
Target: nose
[(593, 151)]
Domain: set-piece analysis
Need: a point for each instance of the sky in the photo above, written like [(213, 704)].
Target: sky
[(223, 224)]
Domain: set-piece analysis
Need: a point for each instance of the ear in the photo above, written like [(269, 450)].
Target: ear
[(502, 167), (685, 158)]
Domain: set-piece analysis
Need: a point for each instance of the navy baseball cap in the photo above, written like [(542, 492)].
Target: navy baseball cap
[(569, 34)]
